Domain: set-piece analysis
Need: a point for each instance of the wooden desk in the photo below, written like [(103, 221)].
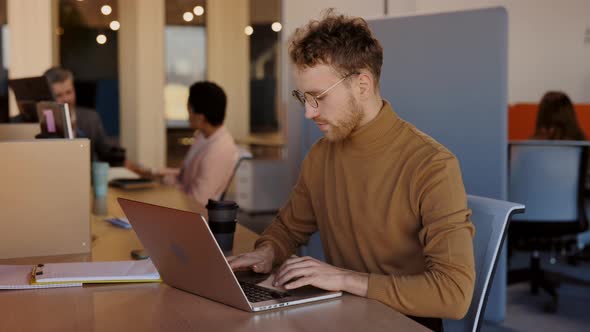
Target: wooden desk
[(113, 243), (158, 307)]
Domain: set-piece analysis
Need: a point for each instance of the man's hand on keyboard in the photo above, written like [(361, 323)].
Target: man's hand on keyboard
[(302, 271), (259, 260)]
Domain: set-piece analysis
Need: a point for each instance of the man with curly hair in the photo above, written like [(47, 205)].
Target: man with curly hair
[(387, 199)]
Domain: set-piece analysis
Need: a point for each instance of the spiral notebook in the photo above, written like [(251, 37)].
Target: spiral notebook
[(19, 277), (95, 272)]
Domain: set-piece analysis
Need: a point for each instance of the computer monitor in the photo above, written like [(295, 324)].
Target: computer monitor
[(28, 91)]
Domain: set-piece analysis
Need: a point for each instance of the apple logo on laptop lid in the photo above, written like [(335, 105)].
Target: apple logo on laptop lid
[(179, 252)]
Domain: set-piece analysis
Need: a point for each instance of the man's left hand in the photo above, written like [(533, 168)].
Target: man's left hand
[(302, 271)]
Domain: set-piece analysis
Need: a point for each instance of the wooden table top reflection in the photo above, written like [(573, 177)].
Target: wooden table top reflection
[(159, 307), (112, 243)]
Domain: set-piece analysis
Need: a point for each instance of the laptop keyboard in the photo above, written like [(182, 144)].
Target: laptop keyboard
[(255, 293)]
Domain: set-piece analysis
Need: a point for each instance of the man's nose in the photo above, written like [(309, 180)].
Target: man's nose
[(310, 112)]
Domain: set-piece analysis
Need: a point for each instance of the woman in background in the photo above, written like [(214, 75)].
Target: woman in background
[(556, 119)]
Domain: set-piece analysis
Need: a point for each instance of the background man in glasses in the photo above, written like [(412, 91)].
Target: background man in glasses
[(388, 200), (86, 122)]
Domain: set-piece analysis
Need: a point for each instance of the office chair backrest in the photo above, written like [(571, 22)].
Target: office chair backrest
[(546, 177), (491, 218), (242, 155)]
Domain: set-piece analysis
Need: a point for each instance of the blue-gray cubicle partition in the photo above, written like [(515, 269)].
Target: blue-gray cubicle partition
[(447, 74)]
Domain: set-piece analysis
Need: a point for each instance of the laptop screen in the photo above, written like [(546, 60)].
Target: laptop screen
[(55, 120)]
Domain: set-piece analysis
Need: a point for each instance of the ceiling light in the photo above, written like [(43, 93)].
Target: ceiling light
[(114, 25), (187, 16), (106, 10), (101, 39), (199, 10), (276, 27)]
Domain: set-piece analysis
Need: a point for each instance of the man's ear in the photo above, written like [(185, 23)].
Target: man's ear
[(366, 85), (201, 118)]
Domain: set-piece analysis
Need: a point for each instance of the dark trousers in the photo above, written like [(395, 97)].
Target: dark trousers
[(434, 324)]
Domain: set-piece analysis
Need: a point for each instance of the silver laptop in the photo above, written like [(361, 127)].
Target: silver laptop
[(188, 258)]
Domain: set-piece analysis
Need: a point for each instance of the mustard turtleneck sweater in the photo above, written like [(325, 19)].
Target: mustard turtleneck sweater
[(389, 201)]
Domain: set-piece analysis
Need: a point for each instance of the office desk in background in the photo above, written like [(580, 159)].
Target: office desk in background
[(159, 307), (113, 243)]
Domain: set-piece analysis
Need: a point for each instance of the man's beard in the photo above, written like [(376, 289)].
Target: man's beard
[(351, 118)]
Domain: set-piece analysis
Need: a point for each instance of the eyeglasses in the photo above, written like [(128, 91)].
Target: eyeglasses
[(312, 100)]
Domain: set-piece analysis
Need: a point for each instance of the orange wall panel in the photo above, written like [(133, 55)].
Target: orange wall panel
[(522, 118)]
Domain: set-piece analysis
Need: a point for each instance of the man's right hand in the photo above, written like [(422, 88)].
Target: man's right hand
[(260, 260), (168, 171)]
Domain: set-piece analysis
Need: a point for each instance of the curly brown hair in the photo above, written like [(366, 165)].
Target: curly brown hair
[(345, 43)]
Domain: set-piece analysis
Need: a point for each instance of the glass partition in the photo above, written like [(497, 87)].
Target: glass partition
[(186, 63), (186, 56)]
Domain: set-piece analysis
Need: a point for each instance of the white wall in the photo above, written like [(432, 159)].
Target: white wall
[(31, 43), (547, 48)]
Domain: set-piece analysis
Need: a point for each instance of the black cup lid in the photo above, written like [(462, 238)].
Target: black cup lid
[(221, 205)]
